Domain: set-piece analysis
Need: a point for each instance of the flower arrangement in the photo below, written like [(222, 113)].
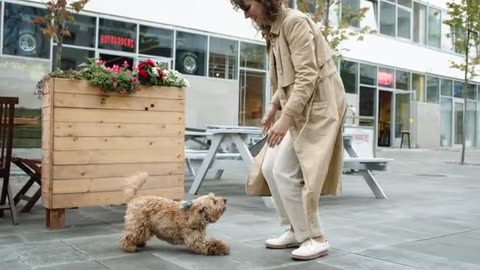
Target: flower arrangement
[(126, 81)]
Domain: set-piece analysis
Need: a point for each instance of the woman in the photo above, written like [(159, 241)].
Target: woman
[(305, 154)]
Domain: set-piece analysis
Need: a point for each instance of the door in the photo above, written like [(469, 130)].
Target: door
[(385, 113), (404, 115), (458, 115), (252, 85)]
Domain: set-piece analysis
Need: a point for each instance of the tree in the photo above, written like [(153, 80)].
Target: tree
[(55, 22), (464, 22), (319, 11)]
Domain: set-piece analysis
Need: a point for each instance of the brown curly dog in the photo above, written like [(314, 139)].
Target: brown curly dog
[(178, 223)]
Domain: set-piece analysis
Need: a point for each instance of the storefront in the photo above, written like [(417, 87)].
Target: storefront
[(228, 74)]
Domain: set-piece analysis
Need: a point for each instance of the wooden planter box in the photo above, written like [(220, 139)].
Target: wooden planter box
[(91, 142)]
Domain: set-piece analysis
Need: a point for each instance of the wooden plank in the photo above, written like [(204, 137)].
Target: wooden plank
[(112, 156), (117, 116), (115, 170), (110, 197), (113, 184), (83, 87), (69, 100), (118, 143), (118, 130)]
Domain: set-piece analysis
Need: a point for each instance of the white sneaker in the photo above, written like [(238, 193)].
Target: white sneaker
[(286, 240), (311, 249)]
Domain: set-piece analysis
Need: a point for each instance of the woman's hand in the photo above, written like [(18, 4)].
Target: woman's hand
[(278, 131), (269, 117)]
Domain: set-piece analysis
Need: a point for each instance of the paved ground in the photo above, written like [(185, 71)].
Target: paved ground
[(430, 221)]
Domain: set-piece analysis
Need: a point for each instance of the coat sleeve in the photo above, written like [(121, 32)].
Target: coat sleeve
[(302, 49), (276, 100)]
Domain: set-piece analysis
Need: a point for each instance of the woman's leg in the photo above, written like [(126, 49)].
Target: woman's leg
[(267, 170), (288, 177)]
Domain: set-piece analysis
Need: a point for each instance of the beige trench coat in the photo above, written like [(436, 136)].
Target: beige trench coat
[(301, 65)]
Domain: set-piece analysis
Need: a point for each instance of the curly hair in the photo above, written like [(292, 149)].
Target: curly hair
[(272, 8)]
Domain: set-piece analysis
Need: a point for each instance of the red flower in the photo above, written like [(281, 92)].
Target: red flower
[(142, 73)]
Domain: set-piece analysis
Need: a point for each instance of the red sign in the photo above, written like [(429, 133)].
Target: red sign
[(385, 78), (116, 40)]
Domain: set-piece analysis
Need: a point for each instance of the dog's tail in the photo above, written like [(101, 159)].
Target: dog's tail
[(134, 183)]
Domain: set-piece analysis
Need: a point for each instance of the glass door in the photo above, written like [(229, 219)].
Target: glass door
[(252, 85), (403, 114), (385, 115), (458, 115), (446, 122)]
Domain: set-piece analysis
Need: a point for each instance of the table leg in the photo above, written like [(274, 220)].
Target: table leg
[(207, 162), (372, 183)]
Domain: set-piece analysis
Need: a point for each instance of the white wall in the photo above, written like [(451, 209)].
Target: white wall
[(211, 101)]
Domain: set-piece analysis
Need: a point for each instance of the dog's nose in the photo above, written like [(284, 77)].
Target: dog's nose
[(224, 200)]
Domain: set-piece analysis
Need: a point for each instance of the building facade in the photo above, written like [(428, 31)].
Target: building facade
[(398, 79)]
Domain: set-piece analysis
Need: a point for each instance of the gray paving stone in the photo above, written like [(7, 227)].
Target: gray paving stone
[(356, 262), (99, 247), (48, 253), (140, 261), (7, 240), (16, 264), (88, 265)]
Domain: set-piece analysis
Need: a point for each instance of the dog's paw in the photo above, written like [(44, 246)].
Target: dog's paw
[(217, 247)]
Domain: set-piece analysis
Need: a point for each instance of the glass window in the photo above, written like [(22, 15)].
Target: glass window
[(350, 7), (349, 74), (223, 58), (402, 80), (387, 18), (252, 55), (434, 27), (117, 35), (155, 41), (404, 23), (446, 108), (478, 93), (82, 31), (447, 86), (405, 3), (367, 101), (386, 77), (419, 23), (471, 126), (24, 38), (433, 90), (418, 84), (190, 53), (472, 91), (368, 74), (458, 89), (71, 57)]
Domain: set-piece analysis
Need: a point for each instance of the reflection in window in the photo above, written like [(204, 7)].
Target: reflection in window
[(385, 77), (155, 41), (404, 23), (447, 86), (368, 74), (433, 89), (223, 58), (71, 57), (253, 55), (367, 103), (82, 31), (446, 122), (117, 35), (458, 90), (418, 84), (402, 80), (190, 53), (419, 23), (387, 18), (349, 74), (24, 38), (472, 91), (434, 27)]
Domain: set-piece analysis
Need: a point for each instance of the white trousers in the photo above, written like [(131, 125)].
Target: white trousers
[(283, 174)]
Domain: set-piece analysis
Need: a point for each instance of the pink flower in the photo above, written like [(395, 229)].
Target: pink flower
[(115, 84), (100, 62), (125, 64)]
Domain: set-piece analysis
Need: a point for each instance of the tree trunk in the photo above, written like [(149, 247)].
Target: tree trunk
[(465, 89), (58, 54)]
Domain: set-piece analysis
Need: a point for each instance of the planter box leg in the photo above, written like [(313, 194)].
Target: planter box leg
[(55, 218)]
